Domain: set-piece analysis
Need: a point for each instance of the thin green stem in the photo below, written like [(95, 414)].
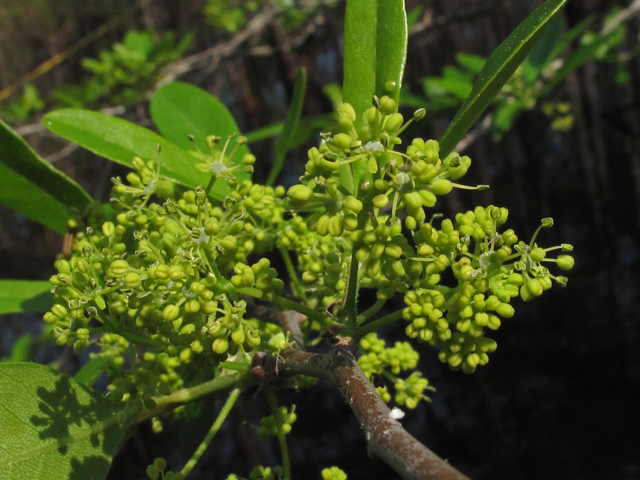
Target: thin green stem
[(277, 415), (377, 324), (118, 330), (226, 408), (349, 309), (211, 182), (367, 314), (291, 305), (219, 383), (295, 281)]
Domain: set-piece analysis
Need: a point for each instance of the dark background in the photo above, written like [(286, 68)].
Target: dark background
[(559, 398)]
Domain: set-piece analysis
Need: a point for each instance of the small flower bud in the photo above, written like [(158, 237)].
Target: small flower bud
[(170, 313), (419, 114), (299, 195), (394, 122), (565, 262), (547, 222), (132, 280), (442, 186), (387, 105)]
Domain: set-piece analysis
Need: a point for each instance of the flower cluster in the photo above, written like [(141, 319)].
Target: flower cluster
[(164, 270), (268, 426), (489, 266), (389, 363)]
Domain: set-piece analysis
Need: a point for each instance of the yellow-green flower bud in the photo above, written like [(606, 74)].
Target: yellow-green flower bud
[(132, 280), (538, 254), (353, 204), (220, 345), (565, 262), (119, 267), (340, 142), (59, 311), (380, 201), (170, 313), (442, 186), (419, 114), (387, 105), (347, 110), (505, 310), (428, 198), (299, 195), (393, 122), (335, 226)]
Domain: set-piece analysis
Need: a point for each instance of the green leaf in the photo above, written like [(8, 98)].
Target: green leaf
[(473, 63), (120, 141), (540, 54), (179, 110), (568, 38), (282, 146), (457, 87), (583, 54), (91, 370), (504, 116), (54, 428), (25, 296), (306, 128), (21, 349), (499, 68), (33, 188), (375, 52)]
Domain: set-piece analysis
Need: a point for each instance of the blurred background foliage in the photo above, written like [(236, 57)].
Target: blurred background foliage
[(561, 140)]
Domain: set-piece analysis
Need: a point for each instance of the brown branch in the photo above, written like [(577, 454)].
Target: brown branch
[(288, 320), (386, 438)]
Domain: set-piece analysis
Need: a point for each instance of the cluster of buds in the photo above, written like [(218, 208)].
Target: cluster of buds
[(389, 363)]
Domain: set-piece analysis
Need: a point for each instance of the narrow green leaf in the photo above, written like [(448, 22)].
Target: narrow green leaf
[(54, 428), (499, 68), (91, 370), (568, 38), (120, 141), (25, 296), (359, 82), (33, 188), (282, 146), (375, 52), (391, 46), (458, 87), (21, 350), (540, 54), (180, 109), (583, 54), (473, 63), (504, 117), (333, 92), (307, 127)]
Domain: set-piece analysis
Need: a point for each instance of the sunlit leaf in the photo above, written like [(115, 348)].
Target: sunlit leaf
[(54, 428), (25, 296), (35, 189), (498, 70)]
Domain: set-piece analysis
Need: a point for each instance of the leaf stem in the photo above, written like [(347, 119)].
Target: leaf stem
[(352, 292), (377, 324), (277, 415), (295, 281), (367, 314), (219, 383), (224, 412), (298, 307)]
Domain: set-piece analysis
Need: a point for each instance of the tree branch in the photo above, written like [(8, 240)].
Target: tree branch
[(386, 438)]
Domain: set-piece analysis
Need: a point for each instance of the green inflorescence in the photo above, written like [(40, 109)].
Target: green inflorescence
[(162, 280)]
